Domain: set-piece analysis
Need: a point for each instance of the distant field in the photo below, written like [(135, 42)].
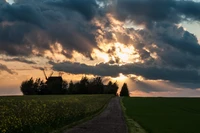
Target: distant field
[(42, 114), (165, 115)]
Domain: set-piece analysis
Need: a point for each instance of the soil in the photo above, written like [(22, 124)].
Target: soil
[(111, 120)]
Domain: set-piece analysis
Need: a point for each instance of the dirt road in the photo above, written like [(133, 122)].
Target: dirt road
[(111, 120)]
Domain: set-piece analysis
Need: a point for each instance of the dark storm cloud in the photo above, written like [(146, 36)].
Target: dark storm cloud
[(29, 25), (148, 72), (85, 7), (189, 8), (20, 59), (149, 11), (177, 37), (5, 68), (180, 60), (167, 50), (22, 12), (146, 11), (2, 2)]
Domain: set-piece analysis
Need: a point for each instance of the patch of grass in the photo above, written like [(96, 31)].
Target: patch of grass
[(165, 115), (133, 126), (42, 114)]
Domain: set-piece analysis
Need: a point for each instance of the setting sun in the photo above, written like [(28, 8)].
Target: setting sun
[(124, 52)]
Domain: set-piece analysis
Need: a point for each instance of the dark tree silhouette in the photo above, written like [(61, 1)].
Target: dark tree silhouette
[(124, 90), (96, 86), (28, 87), (71, 87), (38, 87), (111, 88), (38, 84), (56, 86), (64, 87), (83, 85), (114, 88)]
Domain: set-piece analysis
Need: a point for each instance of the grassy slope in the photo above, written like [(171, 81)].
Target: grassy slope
[(165, 115), (46, 113)]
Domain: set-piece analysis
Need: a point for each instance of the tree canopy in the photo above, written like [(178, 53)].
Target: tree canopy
[(124, 90), (55, 86)]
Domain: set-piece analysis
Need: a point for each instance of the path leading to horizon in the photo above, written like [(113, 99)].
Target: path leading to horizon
[(111, 120)]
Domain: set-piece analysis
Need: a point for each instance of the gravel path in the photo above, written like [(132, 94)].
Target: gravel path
[(111, 120)]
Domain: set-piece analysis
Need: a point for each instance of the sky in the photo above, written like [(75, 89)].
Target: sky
[(152, 45)]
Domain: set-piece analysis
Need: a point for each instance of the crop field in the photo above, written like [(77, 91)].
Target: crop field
[(165, 115), (42, 114)]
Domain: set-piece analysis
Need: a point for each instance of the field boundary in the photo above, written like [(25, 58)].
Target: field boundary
[(62, 129), (133, 126)]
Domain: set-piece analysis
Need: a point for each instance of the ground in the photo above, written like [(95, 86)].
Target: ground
[(111, 120)]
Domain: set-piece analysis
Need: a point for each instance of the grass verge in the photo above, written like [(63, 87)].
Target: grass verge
[(133, 126)]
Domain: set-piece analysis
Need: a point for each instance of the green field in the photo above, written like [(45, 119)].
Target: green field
[(42, 114), (165, 115)]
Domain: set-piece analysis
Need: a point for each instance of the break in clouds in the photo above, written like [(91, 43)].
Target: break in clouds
[(162, 48)]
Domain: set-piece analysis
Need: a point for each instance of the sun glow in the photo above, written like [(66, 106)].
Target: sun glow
[(120, 78), (124, 52), (135, 77), (117, 53), (98, 54), (10, 1)]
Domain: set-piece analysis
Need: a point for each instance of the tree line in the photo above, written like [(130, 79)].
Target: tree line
[(61, 87)]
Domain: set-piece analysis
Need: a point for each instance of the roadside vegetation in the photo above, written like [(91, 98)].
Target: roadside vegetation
[(164, 115), (42, 114)]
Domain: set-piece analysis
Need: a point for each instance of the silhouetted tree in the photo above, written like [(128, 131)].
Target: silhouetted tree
[(111, 88), (77, 88), (43, 89), (83, 85), (38, 87), (124, 90), (28, 87), (96, 86), (64, 87), (55, 85), (71, 87)]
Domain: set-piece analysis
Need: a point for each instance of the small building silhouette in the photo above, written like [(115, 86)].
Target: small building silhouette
[(54, 83), (54, 79)]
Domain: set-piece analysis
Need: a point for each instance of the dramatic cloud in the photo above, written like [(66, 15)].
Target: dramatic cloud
[(149, 11), (29, 26), (5, 68), (160, 50), (148, 72)]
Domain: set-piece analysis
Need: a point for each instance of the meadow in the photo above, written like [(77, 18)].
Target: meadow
[(42, 114), (164, 115)]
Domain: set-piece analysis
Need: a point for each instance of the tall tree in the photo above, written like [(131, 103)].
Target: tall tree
[(111, 88), (96, 86), (64, 87), (28, 87), (115, 88), (71, 87), (124, 90), (83, 85)]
